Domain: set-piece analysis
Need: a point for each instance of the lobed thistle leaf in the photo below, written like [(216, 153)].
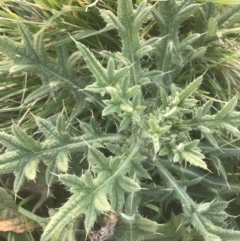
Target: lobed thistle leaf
[(32, 57), (87, 199)]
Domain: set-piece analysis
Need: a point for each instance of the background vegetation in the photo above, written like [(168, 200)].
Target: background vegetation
[(160, 126)]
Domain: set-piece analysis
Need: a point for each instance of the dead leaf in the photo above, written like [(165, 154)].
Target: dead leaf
[(10, 218)]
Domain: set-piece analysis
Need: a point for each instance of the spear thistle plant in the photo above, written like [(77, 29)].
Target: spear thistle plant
[(154, 141)]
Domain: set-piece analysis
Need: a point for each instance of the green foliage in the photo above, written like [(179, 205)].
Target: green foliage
[(150, 142)]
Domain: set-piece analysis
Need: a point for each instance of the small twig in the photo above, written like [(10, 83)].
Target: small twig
[(91, 5)]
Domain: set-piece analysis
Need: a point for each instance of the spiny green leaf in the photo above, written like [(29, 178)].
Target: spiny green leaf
[(87, 199), (212, 29), (141, 16), (110, 68), (160, 19), (47, 128), (38, 93), (204, 109), (101, 203), (38, 46), (9, 141), (153, 126), (211, 139), (194, 159), (134, 228), (94, 66), (218, 165), (26, 37), (110, 109), (90, 218), (230, 129), (185, 13), (9, 47), (190, 89), (198, 53), (227, 108), (223, 18), (68, 212), (188, 41), (128, 184), (127, 119), (164, 97), (61, 126), (133, 91), (110, 18), (73, 58), (74, 183), (117, 198), (191, 145), (62, 161), (26, 141), (98, 158), (30, 169)]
